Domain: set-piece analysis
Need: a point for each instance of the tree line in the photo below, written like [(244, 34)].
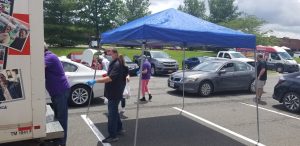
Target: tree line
[(73, 22)]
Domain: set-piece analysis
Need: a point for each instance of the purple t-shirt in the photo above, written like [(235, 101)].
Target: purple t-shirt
[(56, 81), (147, 66)]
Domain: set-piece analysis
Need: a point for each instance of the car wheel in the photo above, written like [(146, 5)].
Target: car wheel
[(291, 101), (80, 95), (252, 87), (153, 72), (205, 88), (279, 69)]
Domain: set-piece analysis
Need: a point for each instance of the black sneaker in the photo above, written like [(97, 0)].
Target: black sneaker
[(110, 139), (150, 97), (143, 99)]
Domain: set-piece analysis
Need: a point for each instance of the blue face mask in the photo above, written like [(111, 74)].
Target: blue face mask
[(109, 58)]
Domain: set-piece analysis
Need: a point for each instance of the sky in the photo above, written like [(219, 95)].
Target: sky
[(282, 16)]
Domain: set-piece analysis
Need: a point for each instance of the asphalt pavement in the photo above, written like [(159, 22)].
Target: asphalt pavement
[(226, 118)]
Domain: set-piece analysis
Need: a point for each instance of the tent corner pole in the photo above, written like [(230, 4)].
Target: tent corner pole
[(139, 94), (256, 97), (183, 77)]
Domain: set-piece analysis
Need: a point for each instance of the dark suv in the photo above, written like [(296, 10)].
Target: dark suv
[(287, 91)]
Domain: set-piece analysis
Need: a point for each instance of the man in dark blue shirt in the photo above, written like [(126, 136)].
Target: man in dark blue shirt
[(115, 82), (261, 75)]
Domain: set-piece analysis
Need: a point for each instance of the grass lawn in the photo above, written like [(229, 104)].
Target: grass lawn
[(298, 60), (175, 54)]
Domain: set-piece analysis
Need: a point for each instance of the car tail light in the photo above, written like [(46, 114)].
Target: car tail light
[(104, 75)]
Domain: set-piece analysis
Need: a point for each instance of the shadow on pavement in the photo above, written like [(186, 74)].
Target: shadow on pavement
[(219, 94), (175, 130)]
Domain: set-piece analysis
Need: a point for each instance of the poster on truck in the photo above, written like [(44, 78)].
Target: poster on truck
[(11, 85)]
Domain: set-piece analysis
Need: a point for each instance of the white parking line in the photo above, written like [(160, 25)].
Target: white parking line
[(220, 127), (95, 130), (271, 111)]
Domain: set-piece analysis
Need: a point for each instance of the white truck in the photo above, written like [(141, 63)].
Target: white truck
[(23, 108), (235, 56)]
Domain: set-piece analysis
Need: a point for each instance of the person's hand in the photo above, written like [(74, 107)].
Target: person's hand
[(127, 79), (91, 82)]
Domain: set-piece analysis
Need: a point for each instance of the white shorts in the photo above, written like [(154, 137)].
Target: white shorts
[(260, 84)]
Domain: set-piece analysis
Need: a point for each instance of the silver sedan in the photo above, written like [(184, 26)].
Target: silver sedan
[(214, 76)]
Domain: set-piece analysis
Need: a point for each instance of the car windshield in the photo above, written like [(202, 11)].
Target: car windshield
[(127, 59), (208, 66), (285, 55), (159, 55), (237, 55)]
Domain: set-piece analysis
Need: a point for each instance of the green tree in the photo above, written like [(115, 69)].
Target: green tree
[(136, 9), (222, 10), (194, 7), (101, 15), (60, 27), (251, 24)]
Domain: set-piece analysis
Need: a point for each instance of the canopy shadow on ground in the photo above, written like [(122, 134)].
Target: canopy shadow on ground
[(174, 130), (224, 94)]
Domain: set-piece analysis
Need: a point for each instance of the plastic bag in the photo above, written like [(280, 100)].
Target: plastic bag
[(126, 93)]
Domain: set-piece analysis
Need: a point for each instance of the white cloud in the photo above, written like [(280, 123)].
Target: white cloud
[(160, 5), (281, 15)]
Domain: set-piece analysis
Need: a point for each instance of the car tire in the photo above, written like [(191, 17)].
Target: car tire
[(252, 87), (279, 68), (80, 95), (291, 101), (153, 72), (205, 88)]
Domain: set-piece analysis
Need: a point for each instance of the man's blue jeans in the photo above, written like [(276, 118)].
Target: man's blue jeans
[(114, 121), (60, 106)]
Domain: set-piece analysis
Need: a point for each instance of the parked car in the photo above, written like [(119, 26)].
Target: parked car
[(297, 54), (193, 61), (287, 91), (77, 75), (213, 76), (161, 62), (235, 56), (133, 67)]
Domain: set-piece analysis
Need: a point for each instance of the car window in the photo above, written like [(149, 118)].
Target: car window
[(147, 54), (240, 66), (226, 55), (275, 56), (220, 55), (229, 67), (68, 67)]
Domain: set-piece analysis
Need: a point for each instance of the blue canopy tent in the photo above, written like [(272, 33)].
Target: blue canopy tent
[(173, 27)]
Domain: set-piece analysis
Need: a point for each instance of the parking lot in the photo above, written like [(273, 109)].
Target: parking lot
[(227, 118)]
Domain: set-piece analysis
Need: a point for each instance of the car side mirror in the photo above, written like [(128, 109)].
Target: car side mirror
[(222, 71)]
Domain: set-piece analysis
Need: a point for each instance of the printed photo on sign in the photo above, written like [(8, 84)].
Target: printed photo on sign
[(3, 57), (13, 32), (6, 6), (11, 85)]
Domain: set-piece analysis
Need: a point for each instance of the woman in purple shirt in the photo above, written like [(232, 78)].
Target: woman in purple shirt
[(146, 75)]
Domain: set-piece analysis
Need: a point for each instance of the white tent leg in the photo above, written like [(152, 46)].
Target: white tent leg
[(183, 78), (256, 97), (139, 94)]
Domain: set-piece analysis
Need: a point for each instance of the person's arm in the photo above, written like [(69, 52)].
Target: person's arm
[(115, 72), (144, 71)]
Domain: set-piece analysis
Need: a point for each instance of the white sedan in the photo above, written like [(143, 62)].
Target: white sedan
[(78, 74)]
